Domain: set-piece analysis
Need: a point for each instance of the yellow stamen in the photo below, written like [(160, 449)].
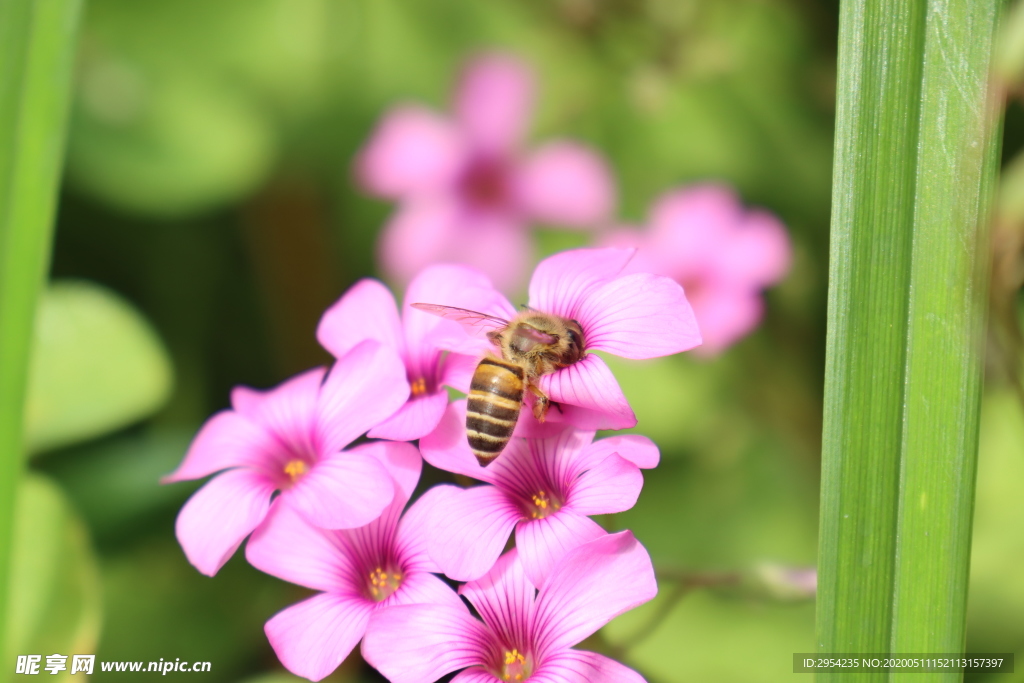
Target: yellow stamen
[(543, 505), (515, 668), (295, 469), (382, 584), (418, 387)]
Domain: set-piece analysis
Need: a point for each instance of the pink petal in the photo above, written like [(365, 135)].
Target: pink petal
[(562, 282), (313, 637), (417, 235), (611, 485), (401, 460), (412, 151), (438, 284), (288, 411), (590, 384), (577, 665), (417, 418), (417, 643), (560, 418), (476, 675), (504, 599), (246, 401), (374, 541), (412, 534), (542, 543), (226, 440), (725, 316), (288, 547), (527, 462), (493, 101), (446, 448), (468, 529), (482, 237), (218, 517), (365, 387), (639, 316), (366, 311), (593, 584), (457, 371), (690, 228), (758, 253), (566, 184), (635, 448), (346, 491), (421, 588)]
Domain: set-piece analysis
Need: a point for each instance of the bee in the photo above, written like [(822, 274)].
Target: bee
[(532, 344)]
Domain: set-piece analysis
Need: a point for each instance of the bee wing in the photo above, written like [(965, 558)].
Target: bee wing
[(473, 321)]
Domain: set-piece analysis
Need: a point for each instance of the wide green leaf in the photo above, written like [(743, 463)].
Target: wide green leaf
[(97, 365), (916, 153), (37, 45), (54, 594)]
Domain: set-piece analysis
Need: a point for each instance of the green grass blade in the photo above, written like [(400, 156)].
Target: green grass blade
[(873, 208), (915, 157), (36, 56), (956, 168)]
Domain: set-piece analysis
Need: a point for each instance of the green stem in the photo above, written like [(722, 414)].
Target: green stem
[(916, 152), (37, 42)]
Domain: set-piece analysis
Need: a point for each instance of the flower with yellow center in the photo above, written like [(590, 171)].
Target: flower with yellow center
[(515, 668), (294, 469), (543, 505), (418, 387), (382, 583)]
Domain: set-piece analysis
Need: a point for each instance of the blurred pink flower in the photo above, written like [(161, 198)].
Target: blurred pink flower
[(525, 635), (368, 311), (638, 315), (722, 255), (466, 189), (544, 488), (359, 571), (290, 439)]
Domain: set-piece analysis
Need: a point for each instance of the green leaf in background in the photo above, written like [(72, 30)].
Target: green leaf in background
[(734, 506), (115, 482), (169, 146), (710, 638), (680, 402), (54, 591), (158, 606), (996, 602), (97, 365), (273, 50)]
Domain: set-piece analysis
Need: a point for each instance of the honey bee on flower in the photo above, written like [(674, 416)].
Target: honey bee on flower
[(579, 301)]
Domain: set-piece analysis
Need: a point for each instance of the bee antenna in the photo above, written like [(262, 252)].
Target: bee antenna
[(526, 308)]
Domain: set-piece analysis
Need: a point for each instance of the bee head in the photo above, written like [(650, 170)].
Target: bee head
[(576, 343)]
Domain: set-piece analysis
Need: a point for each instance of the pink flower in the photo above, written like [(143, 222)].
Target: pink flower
[(290, 439), (543, 488), (368, 311), (721, 254), (466, 191), (359, 571), (638, 315), (525, 635)]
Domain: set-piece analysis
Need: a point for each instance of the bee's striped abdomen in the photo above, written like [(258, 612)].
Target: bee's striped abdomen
[(495, 397)]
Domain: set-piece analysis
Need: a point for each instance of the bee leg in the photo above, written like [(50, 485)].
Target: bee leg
[(495, 337), (540, 406)]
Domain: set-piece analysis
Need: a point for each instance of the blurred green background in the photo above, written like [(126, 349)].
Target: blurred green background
[(209, 216)]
